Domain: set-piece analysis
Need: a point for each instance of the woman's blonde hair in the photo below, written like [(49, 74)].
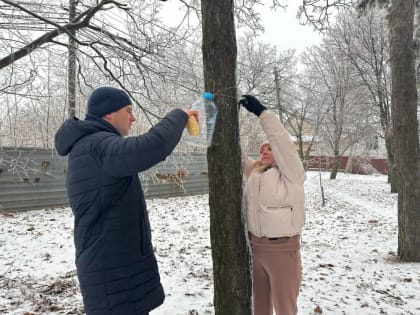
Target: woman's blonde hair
[(259, 168)]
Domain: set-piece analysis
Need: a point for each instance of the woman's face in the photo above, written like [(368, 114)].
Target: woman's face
[(266, 155)]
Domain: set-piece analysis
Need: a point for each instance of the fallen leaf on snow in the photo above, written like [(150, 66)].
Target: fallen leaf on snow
[(318, 309)]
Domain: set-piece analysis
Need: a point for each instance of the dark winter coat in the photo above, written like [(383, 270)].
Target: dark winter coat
[(116, 266)]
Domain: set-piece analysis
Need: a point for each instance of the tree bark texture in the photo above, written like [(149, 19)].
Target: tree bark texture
[(405, 126), (336, 165), (230, 251), (392, 167), (71, 68)]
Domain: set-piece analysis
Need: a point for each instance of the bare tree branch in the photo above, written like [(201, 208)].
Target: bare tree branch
[(79, 22), (319, 12)]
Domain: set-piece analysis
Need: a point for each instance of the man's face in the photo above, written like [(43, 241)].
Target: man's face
[(122, 119)]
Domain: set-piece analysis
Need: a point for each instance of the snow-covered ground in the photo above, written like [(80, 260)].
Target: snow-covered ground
[(348, 250)]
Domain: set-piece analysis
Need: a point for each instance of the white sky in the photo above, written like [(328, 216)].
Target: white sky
[(282, 27)]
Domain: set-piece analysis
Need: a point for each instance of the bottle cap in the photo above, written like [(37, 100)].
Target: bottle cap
[(207, 95)]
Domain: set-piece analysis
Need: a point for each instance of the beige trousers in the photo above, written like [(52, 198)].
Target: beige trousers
[(276, 274)]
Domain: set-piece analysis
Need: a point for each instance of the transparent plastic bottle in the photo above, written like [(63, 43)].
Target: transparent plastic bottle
[(207, 114)]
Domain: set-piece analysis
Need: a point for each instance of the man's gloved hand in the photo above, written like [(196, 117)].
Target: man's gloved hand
[(252, 104)]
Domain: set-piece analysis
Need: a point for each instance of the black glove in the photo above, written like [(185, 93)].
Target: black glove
[(252, 104)]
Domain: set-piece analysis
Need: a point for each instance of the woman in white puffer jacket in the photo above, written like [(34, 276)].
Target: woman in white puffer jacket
[(274, 198)]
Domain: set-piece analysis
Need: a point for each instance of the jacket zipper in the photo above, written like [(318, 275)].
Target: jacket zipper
[(258, 212)]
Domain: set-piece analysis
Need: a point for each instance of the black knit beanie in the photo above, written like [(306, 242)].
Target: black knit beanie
[(105, 100)]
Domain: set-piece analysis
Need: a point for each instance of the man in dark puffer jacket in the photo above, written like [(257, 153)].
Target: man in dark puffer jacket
[(116, 266)]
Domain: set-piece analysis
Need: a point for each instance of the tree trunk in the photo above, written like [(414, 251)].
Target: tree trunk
[(71, 75), (405, 127), (392, 168), (230, 251), (334, 171)]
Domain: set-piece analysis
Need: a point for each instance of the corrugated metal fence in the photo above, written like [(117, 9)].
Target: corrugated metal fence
[(355, 164), (32, 178)]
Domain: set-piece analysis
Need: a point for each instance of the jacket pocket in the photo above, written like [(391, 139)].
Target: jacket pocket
[(277, 220)]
